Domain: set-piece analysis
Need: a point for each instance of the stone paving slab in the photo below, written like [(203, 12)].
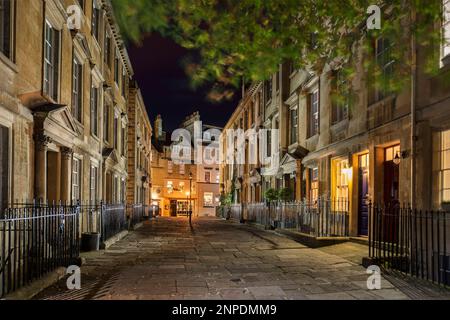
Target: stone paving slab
[(217, 259)]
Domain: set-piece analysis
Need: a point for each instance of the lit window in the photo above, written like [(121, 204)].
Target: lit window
[(445, 166), (391, 152), (314, 185), (208, 199), (341, 176)]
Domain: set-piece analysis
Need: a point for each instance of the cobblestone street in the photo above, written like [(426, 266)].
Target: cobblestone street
[(166, 259)]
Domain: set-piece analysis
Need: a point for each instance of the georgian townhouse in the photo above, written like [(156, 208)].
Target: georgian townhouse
[(371, 145), (176, 187), (243, 179), (63, 103), (139, 149)]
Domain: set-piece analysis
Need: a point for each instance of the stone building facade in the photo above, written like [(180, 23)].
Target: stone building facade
[(139, 148), (379, 147), (176, 187), (63, 103)]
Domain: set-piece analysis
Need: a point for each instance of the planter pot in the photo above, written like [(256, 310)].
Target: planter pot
[(90, 242)]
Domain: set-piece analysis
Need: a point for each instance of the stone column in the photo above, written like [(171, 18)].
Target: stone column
[(299, 193), (40, 171), (66, 173)]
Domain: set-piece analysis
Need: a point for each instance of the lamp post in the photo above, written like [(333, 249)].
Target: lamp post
[(190, 197)]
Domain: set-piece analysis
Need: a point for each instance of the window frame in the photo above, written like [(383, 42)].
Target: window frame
[(9, 28), (76, 177), (314, 115), (106, 122), (95, 21), (443, 168), (94, 104), (340, 111), (107, 49), (381, 56), (51, 67), (93, 183), (445, 29), (314, 184), (77, 89), (293, 125), (208, 176), (208, 204)]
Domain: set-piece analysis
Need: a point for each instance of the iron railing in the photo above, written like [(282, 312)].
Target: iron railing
[(135, 214), (411, 241), (236, 212), (258, 213), (322, 218), (91, 218), (113, 220), (34, 240)]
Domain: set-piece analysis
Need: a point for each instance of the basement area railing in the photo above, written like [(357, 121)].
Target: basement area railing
[(321, 218), (35, 240), (411, 241)]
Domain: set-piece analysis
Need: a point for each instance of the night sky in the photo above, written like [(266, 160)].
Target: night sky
[(157, 64)]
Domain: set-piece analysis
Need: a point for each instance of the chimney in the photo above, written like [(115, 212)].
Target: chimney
[(158, 127)]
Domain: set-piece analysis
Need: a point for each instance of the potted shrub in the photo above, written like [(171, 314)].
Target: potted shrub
[(285, 194), (225, 202), (271, 195)]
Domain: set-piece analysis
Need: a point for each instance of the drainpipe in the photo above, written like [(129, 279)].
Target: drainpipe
[(413, 110)]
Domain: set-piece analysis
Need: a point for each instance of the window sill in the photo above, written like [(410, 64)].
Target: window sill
[(315, 136), (8, 62), (78, 123), (388, 99), (339, 124), (93, 136)]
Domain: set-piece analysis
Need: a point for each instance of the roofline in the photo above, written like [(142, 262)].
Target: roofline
[(248, 94), (107, 5)]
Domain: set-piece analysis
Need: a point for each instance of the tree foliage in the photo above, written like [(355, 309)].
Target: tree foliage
[(250, 38)]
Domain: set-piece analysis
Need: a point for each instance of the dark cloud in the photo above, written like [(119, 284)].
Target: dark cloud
[(157, 64)]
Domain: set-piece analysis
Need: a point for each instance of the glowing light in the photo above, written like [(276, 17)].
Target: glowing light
[(347, 171)]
